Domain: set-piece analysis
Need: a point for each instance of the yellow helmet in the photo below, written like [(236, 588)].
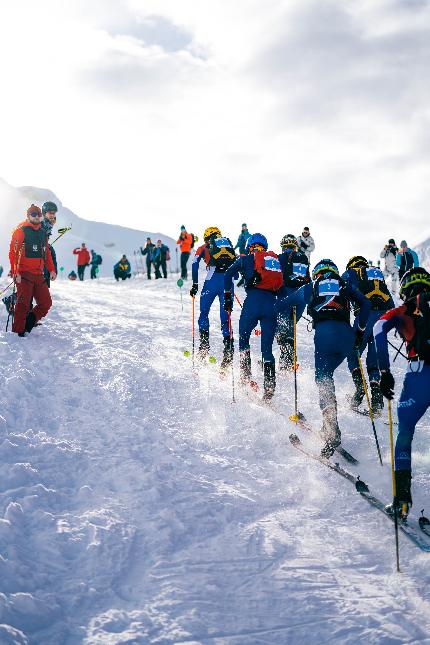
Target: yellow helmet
[(211, 230)]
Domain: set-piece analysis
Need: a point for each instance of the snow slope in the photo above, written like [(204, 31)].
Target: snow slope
[(139, 505), (108, 240)]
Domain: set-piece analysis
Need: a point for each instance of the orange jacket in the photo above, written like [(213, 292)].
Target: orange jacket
[(83, 256), (185, 241), (28, 252)]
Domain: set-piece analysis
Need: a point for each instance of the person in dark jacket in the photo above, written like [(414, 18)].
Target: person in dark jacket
[(49, 212), (96, 261), (406, 259), (149, 252), (122, 269), (160, 256), (242, 240)]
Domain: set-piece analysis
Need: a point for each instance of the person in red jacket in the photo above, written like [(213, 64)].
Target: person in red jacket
[(83, 259), (29, 254)]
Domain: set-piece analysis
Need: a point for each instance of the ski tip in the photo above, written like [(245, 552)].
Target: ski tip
[(361, 486), (212, 359), (187, 353)]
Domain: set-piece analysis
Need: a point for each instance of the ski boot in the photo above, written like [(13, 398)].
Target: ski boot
[(227, 358), (358, 395), (269, 380), (245, 367), (30, 322), (330, 432), (376, 398), (403, 500), (286, 358), (203, 351)]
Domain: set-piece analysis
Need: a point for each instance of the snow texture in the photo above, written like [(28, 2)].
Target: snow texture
[(140, 505)]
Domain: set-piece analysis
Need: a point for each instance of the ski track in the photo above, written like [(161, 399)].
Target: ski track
[(139, 505)]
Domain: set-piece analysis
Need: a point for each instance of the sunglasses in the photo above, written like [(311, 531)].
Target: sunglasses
[(36, 215)]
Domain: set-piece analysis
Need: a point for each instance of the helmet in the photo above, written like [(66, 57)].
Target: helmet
[(324, 266), (356, 262), (289, 241), (413, 282), (49, 207), (256, 238), (211, 230)]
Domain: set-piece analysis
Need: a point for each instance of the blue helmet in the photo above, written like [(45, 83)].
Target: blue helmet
[(256, 238), (324, 266)]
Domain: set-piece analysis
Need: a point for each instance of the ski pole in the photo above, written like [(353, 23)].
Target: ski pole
[(180, 283), (177, 266), (193, 335), (230, 328), (11, 306), (398, 350), (238, 301), (372, 418), (393, 479), (295, 417)]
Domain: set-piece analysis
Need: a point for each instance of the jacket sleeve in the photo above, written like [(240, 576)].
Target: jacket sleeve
[(15, 251), (311, 244), (232, 271), (364, 303), (239, 239), (76, 251), (398, 260), (195, 265), (389, 320), (383, 253)]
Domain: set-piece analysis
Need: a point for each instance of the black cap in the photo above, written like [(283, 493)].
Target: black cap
[(391, 241)]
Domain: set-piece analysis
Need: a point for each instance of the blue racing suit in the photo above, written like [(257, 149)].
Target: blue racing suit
[(295, 271), (415, 397), (259, 306), (350, 276)]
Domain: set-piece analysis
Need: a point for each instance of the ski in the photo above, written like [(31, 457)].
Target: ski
[(363, 490)]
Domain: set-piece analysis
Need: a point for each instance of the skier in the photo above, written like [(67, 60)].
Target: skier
[(122, 269), (83, 259), (306, 242), (334, 339), (370, 282), (160, 256), (218, 255), (96, 261), (389, 253), (412, 321), (1, 270), (242, 239), (263, 279), (29, 254), (186, 243), (295, 271), (148, 251), (406, 259)]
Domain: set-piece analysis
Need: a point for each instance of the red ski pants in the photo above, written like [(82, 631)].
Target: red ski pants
[(31, 286)]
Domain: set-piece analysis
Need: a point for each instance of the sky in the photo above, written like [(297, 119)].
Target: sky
[(281, 114)]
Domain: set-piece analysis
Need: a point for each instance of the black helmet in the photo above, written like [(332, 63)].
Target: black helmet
[(289, 241), (49, 207), (413, 282), (357, 261)]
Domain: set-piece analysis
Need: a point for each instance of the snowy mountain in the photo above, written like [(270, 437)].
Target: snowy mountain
[(108, 240), (423, 251), (140, 505)]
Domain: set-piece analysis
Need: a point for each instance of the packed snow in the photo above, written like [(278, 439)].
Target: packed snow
[(140, 505)]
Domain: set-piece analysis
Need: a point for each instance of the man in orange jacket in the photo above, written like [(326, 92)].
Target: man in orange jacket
[(83, 259), (29, 253), (185, 242)]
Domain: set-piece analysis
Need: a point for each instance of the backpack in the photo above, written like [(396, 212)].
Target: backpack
[(221, 254), (268, 268), (99, 259), (296, 272), (193, 240), (328, 301), (371, 284), (420, 313)]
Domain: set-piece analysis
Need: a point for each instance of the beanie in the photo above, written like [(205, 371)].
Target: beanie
[(34, 209)]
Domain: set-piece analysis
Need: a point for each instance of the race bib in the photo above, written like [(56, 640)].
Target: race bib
[(272, 264), (299, 270), (373, 273), (328, 288)]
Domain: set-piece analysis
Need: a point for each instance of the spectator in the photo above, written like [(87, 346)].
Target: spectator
[(186, 242), (29, 253), (306, 243), (72, 275), (148, 251), (389, 253), (1, 270), (122, 269), (406, 259), (49, 212), (96, 261), (161, 255), (83, 259), (242, 239)]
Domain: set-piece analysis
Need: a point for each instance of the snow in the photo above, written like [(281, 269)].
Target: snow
[(140, 505)]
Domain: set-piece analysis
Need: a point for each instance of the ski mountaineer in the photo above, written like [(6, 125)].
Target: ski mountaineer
[(370, 282), (412, 321), (218, 255), (29, 253), (334, 339), (262, 273), (295, 271)]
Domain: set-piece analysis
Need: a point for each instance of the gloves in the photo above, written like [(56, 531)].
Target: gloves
[(228, 302), (256, 279), (387, 384), (303, 244), (359, 335), (194, 289)]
